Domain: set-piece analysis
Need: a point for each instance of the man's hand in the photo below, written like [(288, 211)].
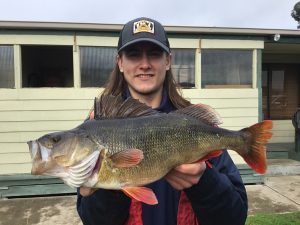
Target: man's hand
[(85, 191), (186, 175)]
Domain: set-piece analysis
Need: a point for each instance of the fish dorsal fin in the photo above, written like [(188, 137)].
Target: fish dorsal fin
[(109, 106), (202, 112)]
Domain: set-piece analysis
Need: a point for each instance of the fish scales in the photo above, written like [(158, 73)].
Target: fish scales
[(166, 141)]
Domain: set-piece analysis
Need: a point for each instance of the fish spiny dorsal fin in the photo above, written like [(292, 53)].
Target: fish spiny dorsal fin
[(109, 106), (202, 112)]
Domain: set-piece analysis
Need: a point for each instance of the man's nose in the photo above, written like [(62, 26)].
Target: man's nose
[(145, 62)]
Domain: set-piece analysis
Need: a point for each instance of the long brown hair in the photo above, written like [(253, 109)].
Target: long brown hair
[(116, 84)]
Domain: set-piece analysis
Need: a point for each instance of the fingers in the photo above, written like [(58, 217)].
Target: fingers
[(186, 175), (192, 168), (177, 182), (92, 115), (85, 191)]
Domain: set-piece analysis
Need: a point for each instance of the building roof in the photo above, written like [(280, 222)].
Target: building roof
[(117, 27)]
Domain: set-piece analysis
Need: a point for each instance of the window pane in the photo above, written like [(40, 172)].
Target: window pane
[(183, 67), (7, 67), (96, 64), (47, 66), (278, 99), (226, 68)]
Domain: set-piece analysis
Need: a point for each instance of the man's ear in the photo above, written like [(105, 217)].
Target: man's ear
[(120, 63)]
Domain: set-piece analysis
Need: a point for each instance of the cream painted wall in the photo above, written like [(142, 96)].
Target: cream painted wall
[(28, 113), (283, 131)]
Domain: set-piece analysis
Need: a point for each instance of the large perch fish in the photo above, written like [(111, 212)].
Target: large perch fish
[(129, 145)]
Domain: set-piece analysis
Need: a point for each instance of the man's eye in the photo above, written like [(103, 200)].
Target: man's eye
[(133, 54), (155, 53)]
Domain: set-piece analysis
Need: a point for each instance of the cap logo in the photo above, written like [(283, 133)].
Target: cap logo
[(143, 26)]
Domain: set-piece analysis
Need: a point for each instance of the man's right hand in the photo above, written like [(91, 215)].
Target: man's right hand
[(86, 191)]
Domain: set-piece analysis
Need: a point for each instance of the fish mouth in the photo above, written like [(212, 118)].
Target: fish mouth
[(40, 157), (74, 176), (33, 148)]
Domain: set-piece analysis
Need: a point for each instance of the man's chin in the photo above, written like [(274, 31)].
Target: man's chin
[(146, 91)]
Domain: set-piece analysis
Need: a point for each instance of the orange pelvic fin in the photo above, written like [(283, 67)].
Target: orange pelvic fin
[(256, 137), (127, 158), (142, 194)]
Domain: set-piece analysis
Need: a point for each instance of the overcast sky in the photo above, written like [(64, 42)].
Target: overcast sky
[(203, 13)]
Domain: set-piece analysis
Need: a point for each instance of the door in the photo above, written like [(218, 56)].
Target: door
[(280, 90)]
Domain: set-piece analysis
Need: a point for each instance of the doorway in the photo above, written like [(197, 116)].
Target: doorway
[(280, 90)]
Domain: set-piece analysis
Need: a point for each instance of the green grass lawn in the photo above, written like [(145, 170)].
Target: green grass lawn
[(274, 219)]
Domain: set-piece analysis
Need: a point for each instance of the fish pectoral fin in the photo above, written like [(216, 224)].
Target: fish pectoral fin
[(127, 158), (142, 194)]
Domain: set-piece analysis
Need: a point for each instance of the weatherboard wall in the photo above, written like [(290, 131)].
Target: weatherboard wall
[(28, 113)]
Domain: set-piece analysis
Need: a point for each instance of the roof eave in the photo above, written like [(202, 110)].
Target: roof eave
[(117, 27)]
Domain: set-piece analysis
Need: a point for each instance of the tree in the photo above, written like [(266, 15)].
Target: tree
[(296, 13)]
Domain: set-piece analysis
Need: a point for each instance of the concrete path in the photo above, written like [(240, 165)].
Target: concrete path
[(278, 195), (39, 211)]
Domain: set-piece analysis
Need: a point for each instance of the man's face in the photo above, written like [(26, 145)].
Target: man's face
[(144, 66)]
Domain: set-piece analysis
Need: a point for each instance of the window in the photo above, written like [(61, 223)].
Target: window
[(47, 66), (226, 68), (7, 67), (96, 64), (183, 67), (280, 90)]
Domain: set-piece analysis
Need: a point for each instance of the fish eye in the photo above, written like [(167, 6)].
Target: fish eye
[(55, 139)]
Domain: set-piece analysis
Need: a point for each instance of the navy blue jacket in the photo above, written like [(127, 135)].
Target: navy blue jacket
[(218, 199)]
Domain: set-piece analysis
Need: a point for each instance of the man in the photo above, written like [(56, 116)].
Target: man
[(206, 193)]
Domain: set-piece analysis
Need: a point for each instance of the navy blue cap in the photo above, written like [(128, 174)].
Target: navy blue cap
[(143, 29)]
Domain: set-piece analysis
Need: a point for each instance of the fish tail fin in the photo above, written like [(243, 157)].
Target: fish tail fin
[(256, 137)]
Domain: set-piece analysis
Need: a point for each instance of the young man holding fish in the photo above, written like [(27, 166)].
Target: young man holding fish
[(205, 192)]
